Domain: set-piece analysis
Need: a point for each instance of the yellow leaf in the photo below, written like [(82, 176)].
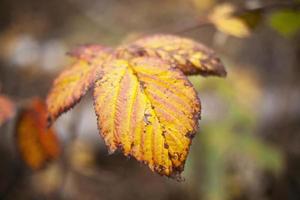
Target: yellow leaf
[(149, 110), (37, 145), (72, 84), (188, 55), (203, 5), (223, 18), (144, 102)]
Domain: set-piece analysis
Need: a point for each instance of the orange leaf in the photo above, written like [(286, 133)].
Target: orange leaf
[(73, 83), (148, 109), (37, 144), (188, 55), (7, 109)]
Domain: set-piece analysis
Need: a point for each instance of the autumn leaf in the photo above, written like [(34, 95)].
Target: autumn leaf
[(148, 109), (188, 55), (36, 144), (74, 82), (144, 103), (225, 21), (7, 109)]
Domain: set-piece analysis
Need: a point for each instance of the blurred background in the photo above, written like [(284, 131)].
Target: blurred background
[(248, 144)]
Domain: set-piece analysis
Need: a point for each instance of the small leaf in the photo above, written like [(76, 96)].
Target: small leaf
[(225, 21), (7, 109), (149, 110), (188, 55), (286, 22), (36, 144), (73, 83)]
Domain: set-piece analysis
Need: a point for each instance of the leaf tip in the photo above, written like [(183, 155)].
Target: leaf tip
[(214, 67), (176, 174), (220, 69)]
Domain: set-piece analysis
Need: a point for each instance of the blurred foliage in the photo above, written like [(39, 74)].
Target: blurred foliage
[(286, 22), (222, 16), (251, 19), (203, 5), (240, 21), (230, 142)]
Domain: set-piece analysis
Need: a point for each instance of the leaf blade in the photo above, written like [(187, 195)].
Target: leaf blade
[(73, 83), (188, 55), (132, 118), (36, 143)]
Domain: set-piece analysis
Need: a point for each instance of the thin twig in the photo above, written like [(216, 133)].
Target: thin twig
[(199, 24)]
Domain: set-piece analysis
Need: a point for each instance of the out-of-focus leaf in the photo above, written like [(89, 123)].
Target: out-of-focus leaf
[(231, 143), (188, 55), (48, 180), (7, 109), (37, 145), (286, 22), (72, 84), (82, 157), (224, 19), (149, 110), (265, 156), (251, 18), (203, 5)]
